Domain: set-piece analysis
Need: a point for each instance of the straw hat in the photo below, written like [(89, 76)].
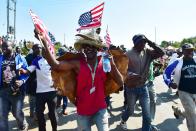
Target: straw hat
[(90, 38)]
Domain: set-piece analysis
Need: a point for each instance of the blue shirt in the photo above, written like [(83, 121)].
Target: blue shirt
[(20, 63)]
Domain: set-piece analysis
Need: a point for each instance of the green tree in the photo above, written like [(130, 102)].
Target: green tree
[(24, 51), (57, 46), (177, 44), (164, 44)]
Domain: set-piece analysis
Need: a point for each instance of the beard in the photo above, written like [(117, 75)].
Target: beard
[(91, 56)]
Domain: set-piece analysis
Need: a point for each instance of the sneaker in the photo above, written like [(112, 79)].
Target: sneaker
[(176, 116), (123, 125), (25, 127), (177, 111), (154, 128), (64, 113), (138, 107), (169, 91), (177, 94)]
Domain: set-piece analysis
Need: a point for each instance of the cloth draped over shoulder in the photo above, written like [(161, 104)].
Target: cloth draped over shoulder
[(65, 81)]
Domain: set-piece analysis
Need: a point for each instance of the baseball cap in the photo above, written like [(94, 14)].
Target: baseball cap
[(137, 38), (187, 46)]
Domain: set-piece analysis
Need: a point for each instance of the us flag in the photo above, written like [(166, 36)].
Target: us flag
[(107, 38), (92, 18), (42, 28)]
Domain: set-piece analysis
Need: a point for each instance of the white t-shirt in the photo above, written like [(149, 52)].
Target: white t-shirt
[(43, 74)]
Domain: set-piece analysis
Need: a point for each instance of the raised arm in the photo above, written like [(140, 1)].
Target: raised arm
[(56, 65), (157, 51)]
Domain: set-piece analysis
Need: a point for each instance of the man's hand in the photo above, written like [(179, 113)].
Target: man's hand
[(173, 85), (134, 76), (39, 35), (111, 59), (150, 43), (22, 71), (36, 34), (132, 79), (19, 83)]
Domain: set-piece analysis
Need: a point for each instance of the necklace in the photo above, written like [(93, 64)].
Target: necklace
[(93, 73)]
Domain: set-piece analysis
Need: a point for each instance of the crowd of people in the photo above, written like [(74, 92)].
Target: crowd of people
[(31, 75)]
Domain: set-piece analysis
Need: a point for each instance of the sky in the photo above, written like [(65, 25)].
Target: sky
[(158, 20)]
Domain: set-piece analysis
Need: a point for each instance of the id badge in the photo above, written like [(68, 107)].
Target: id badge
[(92, 90)]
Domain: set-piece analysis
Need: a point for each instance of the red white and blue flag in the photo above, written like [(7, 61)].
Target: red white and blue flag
[(92, 18), (107, 38), (42, 28)]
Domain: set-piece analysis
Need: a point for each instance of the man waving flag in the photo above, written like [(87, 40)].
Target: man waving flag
[(39, 25), (92, 18)]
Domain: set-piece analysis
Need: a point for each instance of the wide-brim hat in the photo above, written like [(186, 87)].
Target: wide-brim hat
[(90, 38)]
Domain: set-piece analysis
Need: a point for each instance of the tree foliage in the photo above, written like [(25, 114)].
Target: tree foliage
[(57, 46), (177, 44)]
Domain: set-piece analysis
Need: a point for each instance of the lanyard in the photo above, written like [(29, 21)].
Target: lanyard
[(93, 73)]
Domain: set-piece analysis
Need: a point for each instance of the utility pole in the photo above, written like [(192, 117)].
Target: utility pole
[(15, 19), (8, 16), (64, 38), (11, 19)]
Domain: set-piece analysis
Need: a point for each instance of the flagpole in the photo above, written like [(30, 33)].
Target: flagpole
[(155, 34), (94, 31), (64, 38)]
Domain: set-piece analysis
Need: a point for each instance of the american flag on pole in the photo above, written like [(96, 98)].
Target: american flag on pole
[(107, 38), (42, 28), (92, 18)]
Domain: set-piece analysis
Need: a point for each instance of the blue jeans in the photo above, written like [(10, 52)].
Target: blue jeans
[(100, 119), (141, 94), (153, 98), (15, 104), (107, 100), (65, 101)]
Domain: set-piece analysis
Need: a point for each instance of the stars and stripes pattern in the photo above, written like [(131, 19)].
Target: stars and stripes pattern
[(107, 38), (92, 18), (42, 28)]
